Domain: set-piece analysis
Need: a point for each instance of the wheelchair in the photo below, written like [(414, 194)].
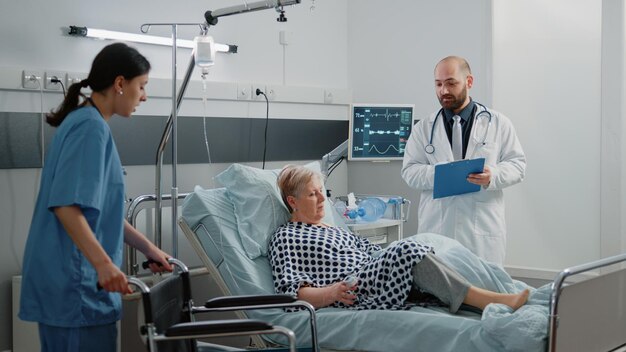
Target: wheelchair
[(169, 316)]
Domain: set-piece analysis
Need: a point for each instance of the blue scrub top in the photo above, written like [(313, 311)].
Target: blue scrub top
[(82, 168)]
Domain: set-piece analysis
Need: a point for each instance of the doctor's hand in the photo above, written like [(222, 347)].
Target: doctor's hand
[(481, 178)]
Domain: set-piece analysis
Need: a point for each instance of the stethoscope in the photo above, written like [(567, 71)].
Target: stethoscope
[(430, 148)]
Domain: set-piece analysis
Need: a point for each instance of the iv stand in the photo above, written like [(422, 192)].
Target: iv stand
[(171, 126)]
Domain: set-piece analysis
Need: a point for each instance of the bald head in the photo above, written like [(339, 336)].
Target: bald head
[(460, 63)]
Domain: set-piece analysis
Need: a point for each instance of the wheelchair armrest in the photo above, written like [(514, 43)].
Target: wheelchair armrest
[(216, 327), (222, 304), (251, 300)]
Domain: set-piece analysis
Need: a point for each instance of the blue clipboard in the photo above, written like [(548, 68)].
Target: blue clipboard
[(451, 178)]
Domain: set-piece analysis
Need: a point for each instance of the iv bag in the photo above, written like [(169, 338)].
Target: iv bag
[(204, 53)]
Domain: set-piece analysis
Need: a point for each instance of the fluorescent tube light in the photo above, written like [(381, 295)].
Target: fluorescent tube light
[(141, 38)]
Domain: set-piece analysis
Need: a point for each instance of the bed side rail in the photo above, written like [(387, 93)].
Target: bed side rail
[(557, 287), (143, 202)]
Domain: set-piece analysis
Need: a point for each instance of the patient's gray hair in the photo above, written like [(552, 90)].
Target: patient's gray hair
[(292, 179)]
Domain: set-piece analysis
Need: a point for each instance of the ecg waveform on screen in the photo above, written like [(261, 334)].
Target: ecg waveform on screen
[(373, 147), (397, 132), (386, 115), (380, 132)]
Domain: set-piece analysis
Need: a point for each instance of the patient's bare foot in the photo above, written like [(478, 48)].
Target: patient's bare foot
[(480, 298), (516, 300)]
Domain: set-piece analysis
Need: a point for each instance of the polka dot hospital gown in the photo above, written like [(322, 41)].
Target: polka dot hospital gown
[(303, 254)]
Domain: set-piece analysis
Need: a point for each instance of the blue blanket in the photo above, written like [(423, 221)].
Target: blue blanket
[(522, 330)]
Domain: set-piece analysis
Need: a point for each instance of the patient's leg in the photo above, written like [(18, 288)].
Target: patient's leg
[(432, 275), (435, 277)]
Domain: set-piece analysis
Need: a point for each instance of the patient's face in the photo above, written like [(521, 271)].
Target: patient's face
[(309, 205)]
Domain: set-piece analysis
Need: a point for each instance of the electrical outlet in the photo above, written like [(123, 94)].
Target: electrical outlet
[(31, 79), (260, 96), (243, 92), (271, 93), (328, 97), (74, 77), (53, 80)]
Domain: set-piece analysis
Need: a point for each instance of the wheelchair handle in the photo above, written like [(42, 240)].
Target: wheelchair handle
[(146, 265)]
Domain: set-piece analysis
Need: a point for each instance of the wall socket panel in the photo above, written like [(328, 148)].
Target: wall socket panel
[(31, 79), (260, 96), (243, 91), (271, 93), (268, 90), (328, 97), (74, 77), (49, 76)]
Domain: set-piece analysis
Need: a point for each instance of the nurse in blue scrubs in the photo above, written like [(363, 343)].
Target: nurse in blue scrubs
[(78, 229)]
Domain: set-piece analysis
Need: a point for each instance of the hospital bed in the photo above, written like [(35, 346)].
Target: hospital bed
[(218, 223)]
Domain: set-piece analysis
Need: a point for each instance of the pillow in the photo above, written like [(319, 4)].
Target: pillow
[(259, 208)]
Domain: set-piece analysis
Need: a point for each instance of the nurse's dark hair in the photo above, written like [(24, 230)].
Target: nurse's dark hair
[(117, 59)]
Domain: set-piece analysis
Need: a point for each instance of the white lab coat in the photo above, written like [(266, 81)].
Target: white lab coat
[(474, 219)]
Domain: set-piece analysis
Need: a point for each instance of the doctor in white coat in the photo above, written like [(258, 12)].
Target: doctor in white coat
[(474, 219)]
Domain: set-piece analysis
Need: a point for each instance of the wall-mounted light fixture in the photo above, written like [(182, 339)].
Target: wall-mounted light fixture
[(141, 38)]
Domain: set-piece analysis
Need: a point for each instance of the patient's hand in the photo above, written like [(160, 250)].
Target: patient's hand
[(321, 297), (343, 292)]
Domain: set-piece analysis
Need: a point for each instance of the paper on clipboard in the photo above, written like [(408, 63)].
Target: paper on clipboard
[(451, 178)]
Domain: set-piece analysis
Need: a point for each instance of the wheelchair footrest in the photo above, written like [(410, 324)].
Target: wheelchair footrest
[(216, 327)]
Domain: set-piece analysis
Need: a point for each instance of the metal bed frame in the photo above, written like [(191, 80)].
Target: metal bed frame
[(598, 323), (144, 202)]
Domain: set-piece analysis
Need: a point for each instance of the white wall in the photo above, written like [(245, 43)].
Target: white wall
[(613, 229), (34, 40), (547, 77)]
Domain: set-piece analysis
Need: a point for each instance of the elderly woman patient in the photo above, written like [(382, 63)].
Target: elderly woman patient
[(312, 260)]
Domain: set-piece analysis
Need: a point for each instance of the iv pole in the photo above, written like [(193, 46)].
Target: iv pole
[(211, 18)]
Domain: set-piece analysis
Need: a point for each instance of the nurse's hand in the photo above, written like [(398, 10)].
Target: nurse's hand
[(112, 279), (159, 259), (137, 240), (481, 178)]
